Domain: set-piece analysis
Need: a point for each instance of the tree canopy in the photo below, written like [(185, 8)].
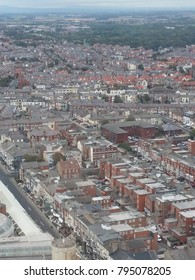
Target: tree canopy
[(125, 146), (117, 99), (153, 35), (144, 98), (57, 157), (31, 158), (192, 134), (5, 81), (130, 118)]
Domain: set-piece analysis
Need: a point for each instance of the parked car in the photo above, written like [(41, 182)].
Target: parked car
[(159, 238)]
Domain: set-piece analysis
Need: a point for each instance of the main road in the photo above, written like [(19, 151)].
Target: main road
[(32, 210), (171, 121)]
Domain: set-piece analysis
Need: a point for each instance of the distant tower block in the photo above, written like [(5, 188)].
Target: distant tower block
[(64, 249)]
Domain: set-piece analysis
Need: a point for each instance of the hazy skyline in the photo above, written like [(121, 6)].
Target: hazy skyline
[(100, 3)]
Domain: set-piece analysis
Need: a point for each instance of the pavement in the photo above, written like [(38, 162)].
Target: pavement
[(31, 209)]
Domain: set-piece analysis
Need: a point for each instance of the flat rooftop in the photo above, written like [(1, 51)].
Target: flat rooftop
[(185, 205), (172, 197), (85, 183), (141, 192), (122, 227), (146, 180), (156, 186), (188, 214), (136, 174), (121, 216)]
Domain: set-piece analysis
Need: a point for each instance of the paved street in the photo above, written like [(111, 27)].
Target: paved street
[(33, 211), (169, 120)]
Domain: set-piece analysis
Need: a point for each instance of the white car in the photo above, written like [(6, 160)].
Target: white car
[(159, 238)]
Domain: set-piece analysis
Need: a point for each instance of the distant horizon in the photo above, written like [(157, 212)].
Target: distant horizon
[(6, 9), (122, 4)]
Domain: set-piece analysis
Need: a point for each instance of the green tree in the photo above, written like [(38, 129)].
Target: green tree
[(140, 98), (57, 157), (173, 67), (147, 98), (56, 61), (160, 131), (104, 122), (31, 158), (140, 67), (181, 70), (105, 97), (21, 44), (192, 134), (144, 98), (167, 100), (50, 64), (117, 99), (130, 118), (5, 81), (125, 146)]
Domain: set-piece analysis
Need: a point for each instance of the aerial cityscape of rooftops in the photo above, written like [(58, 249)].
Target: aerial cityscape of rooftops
[(97, 131)]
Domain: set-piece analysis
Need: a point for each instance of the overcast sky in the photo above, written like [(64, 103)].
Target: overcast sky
[(99, 3)]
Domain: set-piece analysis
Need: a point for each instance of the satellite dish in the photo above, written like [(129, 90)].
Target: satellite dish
[(158, 175)]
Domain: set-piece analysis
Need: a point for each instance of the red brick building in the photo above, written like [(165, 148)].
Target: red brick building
[(98, 151), (142, 182), (88, 187), (120, 185), (129, 233), (150, 203), (179, 166), (170, 205), (112, 167), (140, 198), (47, 134), (176, 164), (185, 227), (191, 147), (73, 136), (186, 204), (115, 135), (136, 175), (118, 132), (132, 218), (103, 201), (69, 169)]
